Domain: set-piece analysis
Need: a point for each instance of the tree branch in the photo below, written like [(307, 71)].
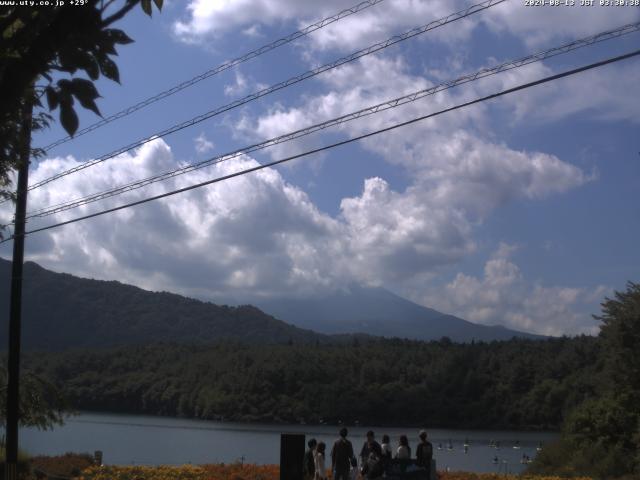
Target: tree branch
[(120, 13)]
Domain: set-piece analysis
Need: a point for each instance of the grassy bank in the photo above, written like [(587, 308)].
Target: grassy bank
[(80, 467), (252, 472)]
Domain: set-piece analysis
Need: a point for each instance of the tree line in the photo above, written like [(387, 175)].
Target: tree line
[(515, 384)]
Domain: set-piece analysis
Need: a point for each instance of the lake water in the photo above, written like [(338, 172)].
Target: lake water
[(136, 439)]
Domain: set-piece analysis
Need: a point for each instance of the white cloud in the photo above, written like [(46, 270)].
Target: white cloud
[(537, 26), (246, 234), (589, 93), (253, 31), (503, 296), (206, 19), (452, 160), (534, 26), (238, 87), (203, 145), (400, 236), (253, 235)]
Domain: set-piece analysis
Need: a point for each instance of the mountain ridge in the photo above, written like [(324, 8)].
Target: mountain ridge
[(63, 311), (379, 312)]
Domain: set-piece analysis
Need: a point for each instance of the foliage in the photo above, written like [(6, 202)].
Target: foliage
[(42, 404), (40, 43), (601, 437), (67, 465), (620, 334), (516, 384), (253, 472), (23, 464), (496, 476), (185, 472)]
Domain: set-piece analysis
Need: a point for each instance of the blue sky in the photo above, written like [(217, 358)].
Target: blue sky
[(521, 211)]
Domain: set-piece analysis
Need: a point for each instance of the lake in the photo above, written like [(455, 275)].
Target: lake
[(148, 440)]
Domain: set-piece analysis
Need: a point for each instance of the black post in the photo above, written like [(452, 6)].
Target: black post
[(291, 456), (13, 385)]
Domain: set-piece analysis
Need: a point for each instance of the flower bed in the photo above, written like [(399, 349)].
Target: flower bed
[(185, 472), (252, 472), (495, 476), (67, 465)]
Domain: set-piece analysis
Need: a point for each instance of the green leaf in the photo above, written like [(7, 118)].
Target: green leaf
[(65, 88), (68, 58), (109, 69), (146, 6), (107, 45), (158, 4), (117, 36), (68, 118), (73, 59), (52, 98), (84, 88), (86, 93), (92, 68)]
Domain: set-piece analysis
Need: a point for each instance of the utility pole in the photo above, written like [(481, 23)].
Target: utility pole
[(15, 318)]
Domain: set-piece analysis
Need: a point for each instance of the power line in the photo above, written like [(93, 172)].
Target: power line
[(343, 142), (279, 86), (396, 102), (220, 68)]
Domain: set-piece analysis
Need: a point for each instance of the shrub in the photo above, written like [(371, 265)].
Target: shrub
[(67, 465)]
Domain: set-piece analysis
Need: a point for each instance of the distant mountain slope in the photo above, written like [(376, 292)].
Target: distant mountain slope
[(376, 311), (61, 311)]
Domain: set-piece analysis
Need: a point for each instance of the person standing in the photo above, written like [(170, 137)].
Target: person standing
[(387, 453), (341, 455), (370, 446), (371, 457), (386, 447), (319, 466), (424, 452), (309, 459), (404, 450)]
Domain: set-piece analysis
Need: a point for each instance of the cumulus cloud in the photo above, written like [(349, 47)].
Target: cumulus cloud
[(205, 19), (503, 296), (537, 26), (454, 163), (534, 26), (399, 236), (251, 236), (239, 85), (203, 144), (588, 93)]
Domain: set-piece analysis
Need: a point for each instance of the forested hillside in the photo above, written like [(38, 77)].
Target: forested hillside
[(515, 384), (62, 311)]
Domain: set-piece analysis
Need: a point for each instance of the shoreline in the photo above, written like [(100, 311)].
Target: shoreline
[(337, 426)]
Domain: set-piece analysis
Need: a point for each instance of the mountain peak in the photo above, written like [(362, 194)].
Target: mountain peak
[(380, 312)]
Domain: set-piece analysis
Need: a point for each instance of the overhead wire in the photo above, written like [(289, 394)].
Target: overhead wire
[(459, 15), (340, 143), (219, 69), (373, 109)]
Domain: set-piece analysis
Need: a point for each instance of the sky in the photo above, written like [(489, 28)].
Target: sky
[(521, 211)]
